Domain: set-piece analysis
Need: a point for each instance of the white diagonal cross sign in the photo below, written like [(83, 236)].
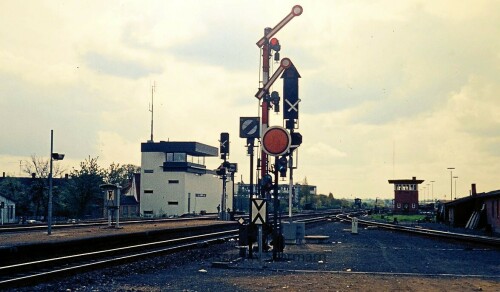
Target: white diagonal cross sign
[(293, 106), (223, 143), (258, 211)]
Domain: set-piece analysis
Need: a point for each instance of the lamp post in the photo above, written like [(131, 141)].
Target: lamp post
[(53, 156), (451, 182), (432, 195), (455, 177), (428, 192)]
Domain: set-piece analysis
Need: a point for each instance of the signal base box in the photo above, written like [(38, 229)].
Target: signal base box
[(294, 232)]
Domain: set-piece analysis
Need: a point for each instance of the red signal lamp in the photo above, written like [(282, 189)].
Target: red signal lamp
[(274, 43)]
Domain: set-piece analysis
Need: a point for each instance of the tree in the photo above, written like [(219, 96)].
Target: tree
[(83, 196), (37, 193), (41, 167), (15, 191), (121, 174)]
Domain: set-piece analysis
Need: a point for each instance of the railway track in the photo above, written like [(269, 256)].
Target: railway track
[(27, 273), (98, 223), (40, 227), (36, 271), (476, 239)]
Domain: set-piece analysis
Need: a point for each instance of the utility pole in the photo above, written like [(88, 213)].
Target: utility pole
[(451, 182), (53, 156)]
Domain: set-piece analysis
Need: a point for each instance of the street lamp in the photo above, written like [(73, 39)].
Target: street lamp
[(428, 192), (451, 182), (455, 177), (53, 156), (432, 185)]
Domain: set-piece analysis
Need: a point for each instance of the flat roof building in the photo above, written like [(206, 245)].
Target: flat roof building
[(175, 180)]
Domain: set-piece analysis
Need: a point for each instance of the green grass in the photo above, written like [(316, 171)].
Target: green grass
[(401, 218)]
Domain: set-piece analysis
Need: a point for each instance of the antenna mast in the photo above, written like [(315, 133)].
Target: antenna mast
[(151, 109)]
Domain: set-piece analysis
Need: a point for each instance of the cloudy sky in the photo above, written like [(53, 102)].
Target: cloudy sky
[(389, 89)]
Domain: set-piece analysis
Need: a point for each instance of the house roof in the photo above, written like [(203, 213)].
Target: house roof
[(190, 148), (406, 181), (479, 196), (128, 200)]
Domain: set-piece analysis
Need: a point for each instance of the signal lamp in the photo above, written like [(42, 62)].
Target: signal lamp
[(266, 182), (275, 44), (282, 166)]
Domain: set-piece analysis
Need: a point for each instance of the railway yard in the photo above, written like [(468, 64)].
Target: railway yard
[(372, 260)]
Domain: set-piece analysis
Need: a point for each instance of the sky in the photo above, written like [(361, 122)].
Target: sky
[(389, 89)]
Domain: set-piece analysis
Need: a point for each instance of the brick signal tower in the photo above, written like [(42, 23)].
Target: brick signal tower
[(406, 195)]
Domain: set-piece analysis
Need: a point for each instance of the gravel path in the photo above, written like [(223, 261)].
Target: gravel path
[(373, 260)]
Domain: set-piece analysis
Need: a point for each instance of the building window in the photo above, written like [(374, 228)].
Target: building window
[(179, 157), (148, 191), (173, 181), (399, 205), (173, 203), (176, 157), (413, 205), (149, 171)]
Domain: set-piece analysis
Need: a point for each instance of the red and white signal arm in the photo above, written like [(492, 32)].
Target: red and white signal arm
[(276, 141)]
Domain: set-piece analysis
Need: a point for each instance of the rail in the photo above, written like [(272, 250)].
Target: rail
[(478, 239)]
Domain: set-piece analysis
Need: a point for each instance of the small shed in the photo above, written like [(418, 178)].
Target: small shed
[(479, 210)]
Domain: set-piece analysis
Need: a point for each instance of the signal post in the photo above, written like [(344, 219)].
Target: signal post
[(275, 141)]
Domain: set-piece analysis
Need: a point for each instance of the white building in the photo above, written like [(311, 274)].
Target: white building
[(175, 181), (7, 211)]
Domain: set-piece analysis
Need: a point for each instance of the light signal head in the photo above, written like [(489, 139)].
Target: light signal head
[(274, 43), (266, 182), (282, 166), (275, 99)]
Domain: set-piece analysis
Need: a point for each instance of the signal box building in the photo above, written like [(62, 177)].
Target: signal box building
[(175, 180), (406, 195)]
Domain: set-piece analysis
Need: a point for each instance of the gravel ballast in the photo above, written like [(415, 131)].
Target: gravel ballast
[(373, 260)]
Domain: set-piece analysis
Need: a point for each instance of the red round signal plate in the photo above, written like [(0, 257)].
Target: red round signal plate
[(276, 141)]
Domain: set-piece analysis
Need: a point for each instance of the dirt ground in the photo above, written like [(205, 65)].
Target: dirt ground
[(337, 282)]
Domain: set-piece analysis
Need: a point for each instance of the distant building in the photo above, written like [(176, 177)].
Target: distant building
[(358, 204), (129, 202), (175, 181), (492, 207), (7, 210), (479, 210), (406, 195), (243, 193), (9, 202)]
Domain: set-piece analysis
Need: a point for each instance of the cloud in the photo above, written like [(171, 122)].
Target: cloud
[(388, 88), (323, 151), (121, 67)]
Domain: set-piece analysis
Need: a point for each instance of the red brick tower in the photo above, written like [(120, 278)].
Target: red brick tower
[(406, 195)]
